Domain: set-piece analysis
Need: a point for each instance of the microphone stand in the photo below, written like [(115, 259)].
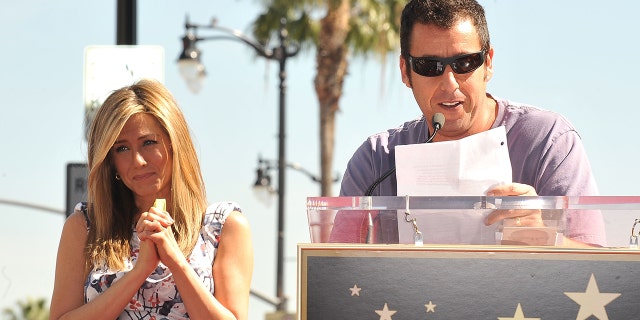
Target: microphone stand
[(438, 122)]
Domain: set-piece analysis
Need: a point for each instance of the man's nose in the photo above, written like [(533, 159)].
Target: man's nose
[(448, 80)]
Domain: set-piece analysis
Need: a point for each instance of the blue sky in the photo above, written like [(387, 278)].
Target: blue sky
[(573, 57)]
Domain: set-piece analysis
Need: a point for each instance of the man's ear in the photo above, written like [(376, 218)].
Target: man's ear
[(488, 65), (405, 71)]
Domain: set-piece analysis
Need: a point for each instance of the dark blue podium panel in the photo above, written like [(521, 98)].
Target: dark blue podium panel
[(396, 282)]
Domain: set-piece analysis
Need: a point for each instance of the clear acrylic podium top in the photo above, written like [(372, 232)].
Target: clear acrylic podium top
[(462, 219)]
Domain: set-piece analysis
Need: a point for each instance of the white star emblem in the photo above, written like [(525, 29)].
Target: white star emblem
[(385, 313), (519, 315), (355, 291), (430, 307), (591, 301)]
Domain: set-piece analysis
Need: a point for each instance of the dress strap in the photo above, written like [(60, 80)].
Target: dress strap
[(82, 206)]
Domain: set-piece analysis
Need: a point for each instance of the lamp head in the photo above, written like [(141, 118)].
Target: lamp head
[(189, 50), (263, 179), (189, 65), (262, 188)]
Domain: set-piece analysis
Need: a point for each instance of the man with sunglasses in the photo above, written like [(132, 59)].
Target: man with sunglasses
[(447, 60)]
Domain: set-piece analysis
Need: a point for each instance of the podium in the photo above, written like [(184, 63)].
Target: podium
[(487, 272)]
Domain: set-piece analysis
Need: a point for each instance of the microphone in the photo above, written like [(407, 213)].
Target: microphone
[(437, 122)]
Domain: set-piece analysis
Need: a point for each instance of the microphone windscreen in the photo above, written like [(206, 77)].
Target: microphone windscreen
[(439, 119)]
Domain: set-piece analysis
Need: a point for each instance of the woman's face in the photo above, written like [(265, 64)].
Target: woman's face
[(143, 160)]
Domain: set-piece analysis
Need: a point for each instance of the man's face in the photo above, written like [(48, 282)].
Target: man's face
[(461, 98)]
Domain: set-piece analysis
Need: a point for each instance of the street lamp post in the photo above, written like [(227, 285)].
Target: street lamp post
[(263, 177), (193, 71)]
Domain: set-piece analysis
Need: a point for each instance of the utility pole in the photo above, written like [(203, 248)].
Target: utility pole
[(126, 31)]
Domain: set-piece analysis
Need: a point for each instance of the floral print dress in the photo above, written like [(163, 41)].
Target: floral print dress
[(158, 297)]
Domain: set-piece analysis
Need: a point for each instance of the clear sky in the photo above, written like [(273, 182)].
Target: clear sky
[(574, 57)]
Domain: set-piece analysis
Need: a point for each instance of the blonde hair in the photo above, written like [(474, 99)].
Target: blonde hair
[(111, 205)]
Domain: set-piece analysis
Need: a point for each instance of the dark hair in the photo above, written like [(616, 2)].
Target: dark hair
[(443, 14)]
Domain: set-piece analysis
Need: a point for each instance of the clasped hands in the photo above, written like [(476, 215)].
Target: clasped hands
[(157, 242)]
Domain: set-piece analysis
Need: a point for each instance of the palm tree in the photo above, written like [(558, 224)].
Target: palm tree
[(358, 27), (30, 309)]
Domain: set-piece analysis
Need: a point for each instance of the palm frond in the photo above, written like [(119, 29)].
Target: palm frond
[(374, 24)]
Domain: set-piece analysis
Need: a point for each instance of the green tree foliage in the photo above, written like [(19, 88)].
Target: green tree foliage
[(337, 29), (29, 309)]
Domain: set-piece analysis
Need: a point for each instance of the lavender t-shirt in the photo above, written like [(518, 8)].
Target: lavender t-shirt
[(545, 150)]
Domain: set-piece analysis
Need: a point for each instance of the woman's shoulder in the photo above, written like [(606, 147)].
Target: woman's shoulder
[(79, 216), (221, 214), (76, 226), (223, 207), (220, 211)]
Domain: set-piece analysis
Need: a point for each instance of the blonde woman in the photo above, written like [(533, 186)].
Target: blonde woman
[(120, 256)]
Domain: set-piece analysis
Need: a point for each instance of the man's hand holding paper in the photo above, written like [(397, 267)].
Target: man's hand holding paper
[(472, 166)]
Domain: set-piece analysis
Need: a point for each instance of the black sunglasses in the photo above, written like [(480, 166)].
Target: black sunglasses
[(433, 67)]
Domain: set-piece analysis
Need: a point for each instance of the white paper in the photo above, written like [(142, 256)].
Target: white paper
[(465, 167)]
